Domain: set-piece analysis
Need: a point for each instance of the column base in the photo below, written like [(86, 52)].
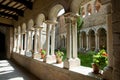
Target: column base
[(36, 55), (28, 53), (69, 63), (107, 73), (50, 59), (22, 52)]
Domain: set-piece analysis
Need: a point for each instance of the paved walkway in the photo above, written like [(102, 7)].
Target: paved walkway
[(11, 71)]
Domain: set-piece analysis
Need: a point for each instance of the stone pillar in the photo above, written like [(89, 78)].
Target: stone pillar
[(50, 58), (15, 40), (96, 41), (74, 37), (53, 44), (18, 44), (35, 42), (53, 40), (47, 59), (98, 45), (71, 25), (69, 53), (21, 40), (107, 74), (87, 41), (29, 44), (116, 38), (81, 41), (39, 39), (25, 46)]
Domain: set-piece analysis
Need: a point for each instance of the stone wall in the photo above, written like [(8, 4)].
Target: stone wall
[(46, 71)]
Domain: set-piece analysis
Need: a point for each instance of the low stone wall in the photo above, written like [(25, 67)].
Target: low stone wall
[(46, 71)]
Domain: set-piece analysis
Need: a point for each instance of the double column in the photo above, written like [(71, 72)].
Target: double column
[(50, 31), (37, 42), (71, 25)]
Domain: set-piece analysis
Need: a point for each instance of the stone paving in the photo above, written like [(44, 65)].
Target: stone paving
[(11, 71)]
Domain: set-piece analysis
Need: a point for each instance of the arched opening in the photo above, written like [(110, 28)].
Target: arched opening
[(89, 9), (97, 5), (102, 38), (92, 39), (2, 47), (83, 12), (84, 39)]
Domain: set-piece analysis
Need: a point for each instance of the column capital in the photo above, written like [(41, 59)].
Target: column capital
[(51, 22)]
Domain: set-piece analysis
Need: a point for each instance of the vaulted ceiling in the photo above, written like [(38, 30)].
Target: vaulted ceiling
[(11, 9)]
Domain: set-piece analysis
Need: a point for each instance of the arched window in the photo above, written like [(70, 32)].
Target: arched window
[(97, 5), (83, 12), (89, 9)]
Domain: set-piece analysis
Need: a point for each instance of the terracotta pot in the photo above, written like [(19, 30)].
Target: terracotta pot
[(42, 56), (95, 68), (58, 59)]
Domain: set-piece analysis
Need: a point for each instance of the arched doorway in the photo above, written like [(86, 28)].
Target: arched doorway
[(102, 38), (2, 47)]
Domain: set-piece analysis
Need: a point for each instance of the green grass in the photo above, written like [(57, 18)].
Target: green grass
[(86, 58)]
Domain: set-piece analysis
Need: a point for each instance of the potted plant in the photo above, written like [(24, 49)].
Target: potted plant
[(59, 56), (43, 53), (99, 60)]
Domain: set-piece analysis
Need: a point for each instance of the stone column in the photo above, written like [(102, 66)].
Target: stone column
[(71, 60), (96, 41), (35, 42), (74, 37), (98, 45), (25, 46), (14, 49), (53, 40), (21, 40), (39, 39), (69, 46), (87, 41), (18, 44), (80, 41), (50, 25), (47, 59)]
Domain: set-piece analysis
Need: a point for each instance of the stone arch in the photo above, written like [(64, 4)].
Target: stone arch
[(89, 9), (30, 24), (102, 38), (40, 18), (92, 39), (54, 12), (83, 33), (97, 5), (75, 5)]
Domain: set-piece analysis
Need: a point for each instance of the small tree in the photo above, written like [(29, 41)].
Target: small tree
[(80, 23)]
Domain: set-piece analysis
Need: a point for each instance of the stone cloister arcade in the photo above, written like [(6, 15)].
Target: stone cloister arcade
[(93, 38), (39, 32)]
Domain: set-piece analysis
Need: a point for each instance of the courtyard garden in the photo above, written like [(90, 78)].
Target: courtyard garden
[(91, 57)]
